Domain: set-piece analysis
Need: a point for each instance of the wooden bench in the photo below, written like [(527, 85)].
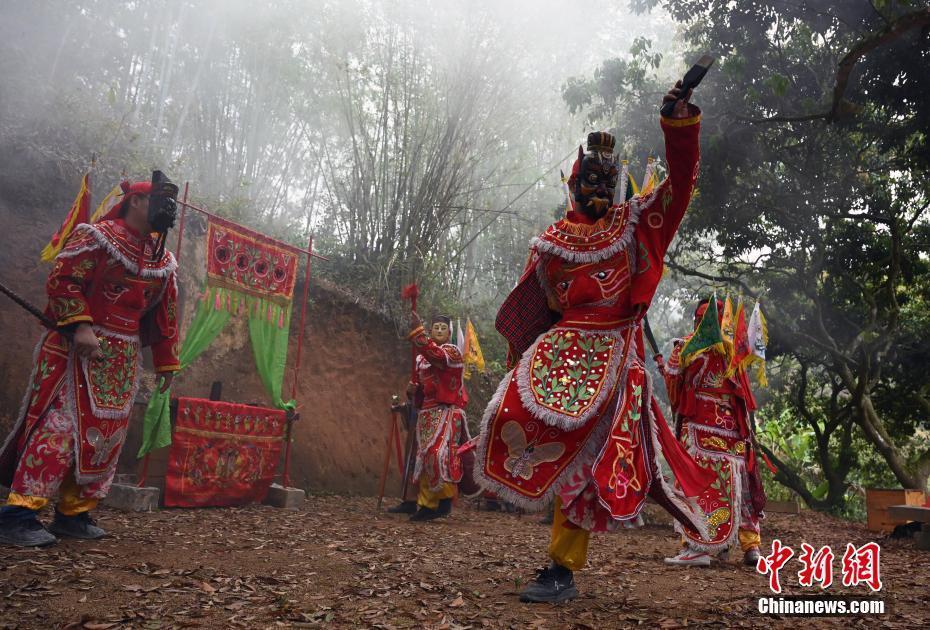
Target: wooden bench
[(914, 513)]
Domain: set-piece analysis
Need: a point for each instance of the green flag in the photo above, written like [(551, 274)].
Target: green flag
[(708, 335)]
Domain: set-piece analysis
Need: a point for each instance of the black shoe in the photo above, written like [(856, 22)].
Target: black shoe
[(78, 526), (553, 584), (406, 507), (25, 532), (445, 507), (425, 514)]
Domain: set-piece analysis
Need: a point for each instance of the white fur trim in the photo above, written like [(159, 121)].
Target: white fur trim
[(112, 250), (546, 247), (524, 370), (446, 449), (736, 511), (584, 456), (686, 505), (115, 414)]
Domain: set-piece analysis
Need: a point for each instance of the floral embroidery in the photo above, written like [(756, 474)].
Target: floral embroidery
[(113, 378), (80, 270), (569, 370), (65, 308), (623, 471), (43, 371)]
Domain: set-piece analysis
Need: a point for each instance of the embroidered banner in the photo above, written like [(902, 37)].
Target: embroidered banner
[(222, 454), (246, 261)]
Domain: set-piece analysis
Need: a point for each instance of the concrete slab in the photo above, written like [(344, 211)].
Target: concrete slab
[(132, 498), (287, 498)]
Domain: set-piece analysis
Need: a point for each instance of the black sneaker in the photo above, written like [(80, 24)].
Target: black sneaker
[(78, 526), (406, 507), (425, 514), (552, 585), (445, 507), (25, 533)]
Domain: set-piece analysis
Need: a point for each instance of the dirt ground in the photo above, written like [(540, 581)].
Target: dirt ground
[(338, 563)]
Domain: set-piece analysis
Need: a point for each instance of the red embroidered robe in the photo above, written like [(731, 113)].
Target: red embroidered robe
[(104, 276), (441, 400), (712, 420), (576, 417)]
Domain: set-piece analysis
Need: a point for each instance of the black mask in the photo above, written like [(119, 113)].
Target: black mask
[(595, 184), (163, 209)]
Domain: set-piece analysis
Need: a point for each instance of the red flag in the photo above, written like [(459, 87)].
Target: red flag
[(741, 347), (79, 213)]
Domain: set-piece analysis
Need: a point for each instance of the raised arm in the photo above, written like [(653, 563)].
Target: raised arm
[(663, 210), (442, 356)]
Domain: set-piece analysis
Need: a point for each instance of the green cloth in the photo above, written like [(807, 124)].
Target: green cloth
[(269, 329), (206, 325), (708, 335), (269, 347)]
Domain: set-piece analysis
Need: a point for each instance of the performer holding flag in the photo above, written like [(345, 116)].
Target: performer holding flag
[(712, 401), (112, 290)]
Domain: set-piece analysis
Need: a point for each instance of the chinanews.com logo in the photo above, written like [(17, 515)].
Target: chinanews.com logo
[(860, 567)]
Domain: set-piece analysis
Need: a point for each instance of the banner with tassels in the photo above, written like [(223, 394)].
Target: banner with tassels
[(248, 274), (249, 263)]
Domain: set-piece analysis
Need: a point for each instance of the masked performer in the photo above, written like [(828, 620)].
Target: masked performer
[(440, 396), (575, 421), (712, 421), (112, 290)]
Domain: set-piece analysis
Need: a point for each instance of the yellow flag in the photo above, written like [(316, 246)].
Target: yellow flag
[(633, 186), (112, 198), (76, 215), (472, 353), (649, 178)]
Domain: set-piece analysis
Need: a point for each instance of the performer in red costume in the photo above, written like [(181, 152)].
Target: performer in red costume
[(440, 396), (112, 290), (575, 421), (712, 421)]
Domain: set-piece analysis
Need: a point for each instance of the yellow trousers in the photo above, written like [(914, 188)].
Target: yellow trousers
[(429, 498), (70, 501), (749, 539), (568, 545)]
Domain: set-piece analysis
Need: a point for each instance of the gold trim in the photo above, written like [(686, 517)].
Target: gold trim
[(75, 319), (680, 122), (230, 436), (596, 322), (174, 367)]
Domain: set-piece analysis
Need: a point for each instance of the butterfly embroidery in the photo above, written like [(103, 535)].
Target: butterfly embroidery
[(102, 446), (523, 457)]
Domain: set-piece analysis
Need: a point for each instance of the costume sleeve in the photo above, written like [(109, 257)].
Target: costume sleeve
[(664, 209), (165, 350), (446, 355), (70, 280)]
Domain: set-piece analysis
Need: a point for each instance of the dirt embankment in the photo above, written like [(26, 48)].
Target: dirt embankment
[(353, 360)]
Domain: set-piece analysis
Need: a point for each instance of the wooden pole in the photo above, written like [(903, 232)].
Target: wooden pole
[(177, 254), (296, 374), (387, 457)]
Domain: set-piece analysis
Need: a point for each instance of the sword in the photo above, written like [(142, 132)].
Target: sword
[(649, 336), (647, 329), (32, 310)]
